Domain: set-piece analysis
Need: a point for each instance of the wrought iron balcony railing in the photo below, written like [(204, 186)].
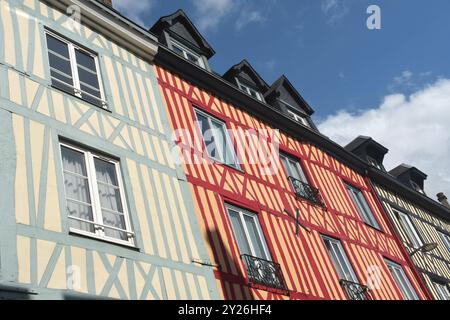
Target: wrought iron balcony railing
[(307, 192), (264, 272), (355, 291)]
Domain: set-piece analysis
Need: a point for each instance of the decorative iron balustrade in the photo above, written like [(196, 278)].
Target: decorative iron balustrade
[(307, 192), (264, 272), (355, 291)]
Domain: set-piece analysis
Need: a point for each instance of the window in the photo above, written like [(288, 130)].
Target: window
[(374, 163), (248, 233), (293, 168), (401, 280), (253, 248), (445, 239), (217, 140), (339, 259), (299, 118), (409, 229), (187, 53), (416, 187), (442, 290), (344, 269), (299, 182), (362, 206), (250, 91), (94, 195), (74, 70)]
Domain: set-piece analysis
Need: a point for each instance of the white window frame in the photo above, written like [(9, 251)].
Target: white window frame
[(185, 51), (445, 239), (344, 263), (291, 161), (402, 280), (298, 118), (248, 90), (229, 143), (362, 206), (409, 228), (99, 227), (254, 216), (442, 290), (73, 65)]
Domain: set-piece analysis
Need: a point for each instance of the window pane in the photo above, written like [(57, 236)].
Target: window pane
[(61, 70), (60, 64), (362, 206), (410, 230), (73, 161), (117, 221), (192, 58), (77, 188), (110, 198), (80, 211), (177, 49), (445, 239), (217, 141), (239, 233), (85, 60), (207, 135), (57, 46), (87, 74), (106, 172), (220, 139), (255, 238), (76, 184), (340, 260)]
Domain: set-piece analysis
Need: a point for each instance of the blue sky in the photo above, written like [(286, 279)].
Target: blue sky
[(329, 55), (353, 77)]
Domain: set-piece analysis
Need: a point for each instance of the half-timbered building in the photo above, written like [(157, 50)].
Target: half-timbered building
[(422, 223), (306, 224), (92, 202)]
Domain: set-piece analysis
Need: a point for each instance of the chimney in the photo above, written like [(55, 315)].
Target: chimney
[(443, 199), (107, 2)]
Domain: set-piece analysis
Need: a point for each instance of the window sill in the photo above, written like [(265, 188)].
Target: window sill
[(73, 95), (111, 241)]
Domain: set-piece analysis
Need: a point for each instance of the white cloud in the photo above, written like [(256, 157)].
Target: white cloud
[(211, 12), (415, 129), (249, 16), (135, 10), (335, 10)]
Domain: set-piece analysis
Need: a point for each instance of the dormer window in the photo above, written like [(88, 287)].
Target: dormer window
[(297, 117), (374, 163), (187, 53), (250, 90), (416, 187)]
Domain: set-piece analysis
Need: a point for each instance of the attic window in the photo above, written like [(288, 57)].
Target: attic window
[(417, 187), (374, 163), (299, 118), (250, 91), (187, 53)]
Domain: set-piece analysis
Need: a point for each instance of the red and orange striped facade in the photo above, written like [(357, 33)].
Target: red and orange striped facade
[(306, 266)]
